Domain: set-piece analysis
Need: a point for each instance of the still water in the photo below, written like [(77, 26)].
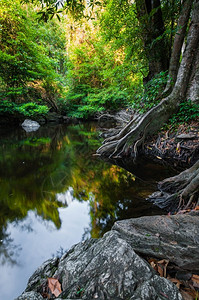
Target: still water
[(54, 192)]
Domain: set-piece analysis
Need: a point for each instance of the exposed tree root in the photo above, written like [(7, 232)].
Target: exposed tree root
[(179, 192), (140, 125)]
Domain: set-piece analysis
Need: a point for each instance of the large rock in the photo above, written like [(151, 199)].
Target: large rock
[(174, 237), (29, 125), (107, 268)]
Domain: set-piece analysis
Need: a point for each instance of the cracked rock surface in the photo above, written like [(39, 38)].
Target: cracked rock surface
[(174, 237), (106, 268)]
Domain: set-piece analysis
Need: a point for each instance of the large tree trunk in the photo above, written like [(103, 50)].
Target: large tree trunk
[(193, 88), (178, 42), (152, 26)]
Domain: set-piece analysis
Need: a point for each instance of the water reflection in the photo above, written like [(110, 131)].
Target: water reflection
[(44, 171)]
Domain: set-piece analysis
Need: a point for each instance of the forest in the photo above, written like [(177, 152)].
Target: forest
[(84, 60), (114, 86)]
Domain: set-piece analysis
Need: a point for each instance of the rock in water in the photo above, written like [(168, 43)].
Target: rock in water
[(29, 125), (107, 268)]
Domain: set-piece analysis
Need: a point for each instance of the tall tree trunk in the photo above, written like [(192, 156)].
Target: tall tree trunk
[(178, 42), (156, 48), (193, 88)]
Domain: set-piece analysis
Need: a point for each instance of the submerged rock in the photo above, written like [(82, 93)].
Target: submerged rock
[(29, 125), (107, 268)]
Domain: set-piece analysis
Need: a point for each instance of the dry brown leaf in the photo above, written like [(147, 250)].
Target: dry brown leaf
[(192, 292), (176, 281), (161, 270), (178, 148), (173, 242), (186, 296), (195, 280), (163, 265), (153, 263), (54, 286)]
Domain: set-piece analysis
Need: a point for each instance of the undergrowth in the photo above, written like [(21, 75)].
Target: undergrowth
[(86, 102), (28, 109), (188, 111), (149, 95)]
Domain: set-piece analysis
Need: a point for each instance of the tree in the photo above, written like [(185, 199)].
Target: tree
[(184, 73)]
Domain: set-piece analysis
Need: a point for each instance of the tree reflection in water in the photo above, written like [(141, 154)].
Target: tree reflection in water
[(39, 169)]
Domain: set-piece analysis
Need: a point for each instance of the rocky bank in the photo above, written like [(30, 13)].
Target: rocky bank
[(113, 267)]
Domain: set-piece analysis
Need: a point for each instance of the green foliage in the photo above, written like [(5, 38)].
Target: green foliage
[(87, 104), (149, 96), (188, 111), (51, 8), (120, 27), (80, 67), (26, 109), (32, 56), (99, 75)]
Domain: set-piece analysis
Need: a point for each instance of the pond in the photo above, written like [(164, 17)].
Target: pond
[(54, 192)]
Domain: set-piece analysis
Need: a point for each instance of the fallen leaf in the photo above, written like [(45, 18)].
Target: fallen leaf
[(162, 267), (193, 293), (178, 148), (54, 286), (195, 280), (176, 281), (161, 270), (173, 242), (197, 207), (186, 296)]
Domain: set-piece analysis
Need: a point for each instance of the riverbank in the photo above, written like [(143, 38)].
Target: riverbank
[(112, 267)]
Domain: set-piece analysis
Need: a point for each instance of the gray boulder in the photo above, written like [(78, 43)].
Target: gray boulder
[(30, 296), (107, 268), (29, 125), (174, 237)]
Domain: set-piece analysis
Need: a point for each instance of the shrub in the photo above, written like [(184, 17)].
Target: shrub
[(86, 103), (188, 111), (149, 95), (29, 109)]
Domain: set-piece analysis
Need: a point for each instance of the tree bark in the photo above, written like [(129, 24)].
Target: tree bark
[(178, 42), (156, 48), (193, 88)]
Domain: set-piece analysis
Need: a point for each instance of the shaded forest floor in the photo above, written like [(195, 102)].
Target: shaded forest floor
[(177, 146)]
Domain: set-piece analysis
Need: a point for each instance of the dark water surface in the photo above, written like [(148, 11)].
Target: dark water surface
[(54, 192)]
